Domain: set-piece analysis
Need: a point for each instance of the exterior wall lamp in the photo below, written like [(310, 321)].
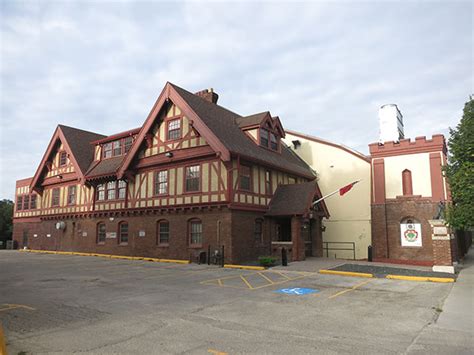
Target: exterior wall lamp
[(169, 154)]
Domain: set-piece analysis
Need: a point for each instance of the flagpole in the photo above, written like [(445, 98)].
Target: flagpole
[(332, 193)]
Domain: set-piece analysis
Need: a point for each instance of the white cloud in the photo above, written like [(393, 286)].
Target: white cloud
[(323, 67)]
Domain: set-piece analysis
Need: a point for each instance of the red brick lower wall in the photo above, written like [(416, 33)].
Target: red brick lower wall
[(386, 220), (232, 229)]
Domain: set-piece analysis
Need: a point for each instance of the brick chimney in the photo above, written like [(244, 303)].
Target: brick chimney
[(208, 94)]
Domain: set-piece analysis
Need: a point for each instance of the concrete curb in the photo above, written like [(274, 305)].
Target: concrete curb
[(421, 278), (124, 257), (345, 273), (243, 267)]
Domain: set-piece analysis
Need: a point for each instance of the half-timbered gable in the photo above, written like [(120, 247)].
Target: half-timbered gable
[(194, 176)]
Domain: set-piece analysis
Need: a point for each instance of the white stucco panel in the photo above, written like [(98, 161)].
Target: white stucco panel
[(418, 164)]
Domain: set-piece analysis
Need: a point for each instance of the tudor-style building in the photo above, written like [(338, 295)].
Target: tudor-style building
[(195, 175)]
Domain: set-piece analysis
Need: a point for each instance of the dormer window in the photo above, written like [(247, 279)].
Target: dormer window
[(117, 147), (127, 143), (263, 137), (273, 142), (107, 150)]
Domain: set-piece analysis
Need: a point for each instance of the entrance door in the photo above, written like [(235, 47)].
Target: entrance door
[(308, 241), (25, 238)]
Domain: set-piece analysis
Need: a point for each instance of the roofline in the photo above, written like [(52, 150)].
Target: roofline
[(336, 145), (117, 135)]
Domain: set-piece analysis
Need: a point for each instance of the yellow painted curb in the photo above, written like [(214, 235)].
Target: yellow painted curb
[(421, 278), (345, 273), (3, 347), (244, 267), (124, 257)]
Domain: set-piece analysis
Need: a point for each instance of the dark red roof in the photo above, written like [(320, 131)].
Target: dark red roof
[(104, 168), (252, 120), (223, 123), (294, 199), (79, 142)]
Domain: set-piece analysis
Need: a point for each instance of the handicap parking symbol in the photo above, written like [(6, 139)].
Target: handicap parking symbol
[(297, 291)]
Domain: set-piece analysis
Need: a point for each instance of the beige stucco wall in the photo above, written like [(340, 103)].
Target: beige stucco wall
[(350, 214), (418, 164)]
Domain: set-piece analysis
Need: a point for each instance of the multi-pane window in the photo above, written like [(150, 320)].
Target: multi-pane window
[(291, 180), (174, 129), (195, 231), (107, 150), (268, 182), (273, 142), (55, 197), (101, 192), (163, 232), (127, 143), (121, 189), (116, 148), (71, 195), (101, 234), (263, 137), (62, 158), (111, 193), (245, 177), (33, 202), (19, 203), (258, 230), (192, 178), (123, 233), (26, 202), (161, 182)]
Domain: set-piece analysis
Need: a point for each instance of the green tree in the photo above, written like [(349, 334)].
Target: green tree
[(6, 222), (460, 170)]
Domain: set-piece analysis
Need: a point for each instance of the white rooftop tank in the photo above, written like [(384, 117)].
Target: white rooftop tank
[(390, 123)]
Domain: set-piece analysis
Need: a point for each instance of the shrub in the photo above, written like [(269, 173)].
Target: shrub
[(267, 261)]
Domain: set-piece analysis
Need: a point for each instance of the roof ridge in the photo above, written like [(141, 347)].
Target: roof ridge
[(79, 129)]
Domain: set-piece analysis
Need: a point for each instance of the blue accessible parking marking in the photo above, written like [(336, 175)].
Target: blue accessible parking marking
[(297, 291)]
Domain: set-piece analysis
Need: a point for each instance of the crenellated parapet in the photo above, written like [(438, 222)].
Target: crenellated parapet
[(407, 146)]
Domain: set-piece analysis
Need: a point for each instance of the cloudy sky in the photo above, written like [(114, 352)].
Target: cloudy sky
[(323, 67)]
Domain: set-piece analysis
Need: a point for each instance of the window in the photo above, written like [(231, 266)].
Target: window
[(192, 178), (245, 180), (263, 137), (101, 233), (127, 143), (163, 232), (55, 198), (195, 230), (291, 180), (268, 182), (19, 203), (123, 233), (111, 190), (273, 142), (33, 202), (62, 158), (71, 195), (116, 148), (101, 192), (407, 183), (258, 230), (107, 150), (174, 129), (161, 182), (26, 202), (121, 189)]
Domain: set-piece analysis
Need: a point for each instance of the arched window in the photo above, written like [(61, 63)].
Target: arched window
[(163, 232), (407, 183), (123, 233), (195, 232), (101, 233), (258, 231)]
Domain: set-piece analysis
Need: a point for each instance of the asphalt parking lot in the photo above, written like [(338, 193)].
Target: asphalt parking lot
[(65, 304)]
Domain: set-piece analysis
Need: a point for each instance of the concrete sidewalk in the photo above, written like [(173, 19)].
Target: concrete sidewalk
[(454, 329)]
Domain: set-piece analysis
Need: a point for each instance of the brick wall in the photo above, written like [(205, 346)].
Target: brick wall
[(386, 220)]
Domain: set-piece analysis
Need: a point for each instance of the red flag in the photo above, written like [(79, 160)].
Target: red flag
[(346, 188)]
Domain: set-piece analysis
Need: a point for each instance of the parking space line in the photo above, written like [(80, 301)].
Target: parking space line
[(246, 282), (283, 275), (349, 289), (266, 278), (13, 306), (216, 352)]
